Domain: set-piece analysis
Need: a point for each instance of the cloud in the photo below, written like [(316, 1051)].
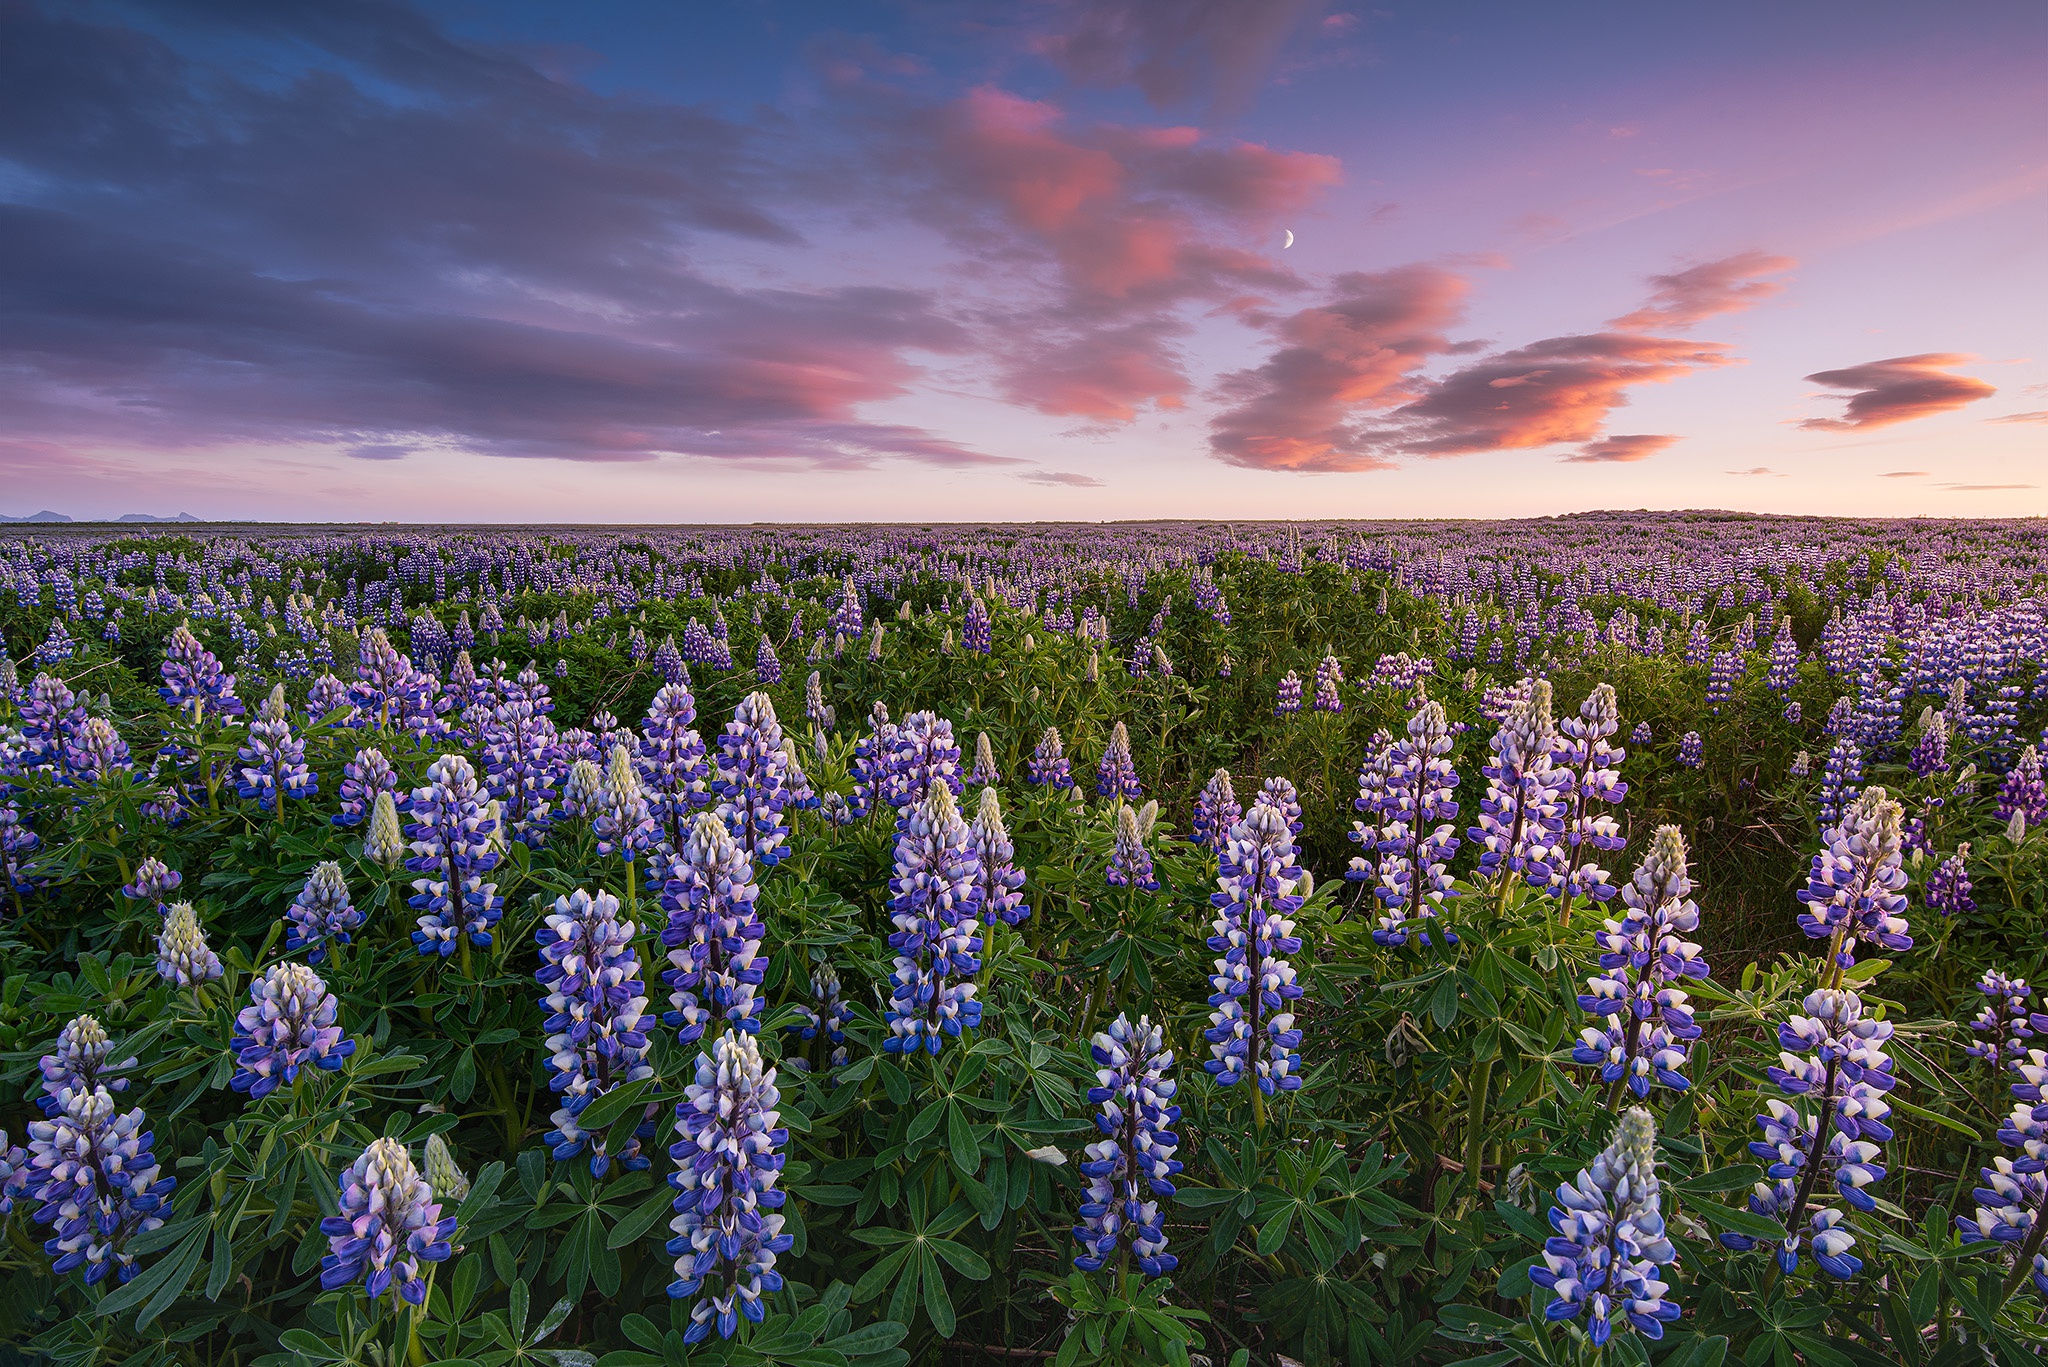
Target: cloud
[(1363, 349), (1620, 450), (1062, 477), (2040, 415), (1983, 488), (378, 452), (1696, 293), (1898, 390), (1558, 390), (1902, 474), (1175, 51), (1758, 470)]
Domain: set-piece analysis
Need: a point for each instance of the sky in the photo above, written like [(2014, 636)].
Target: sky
[(799, 260)]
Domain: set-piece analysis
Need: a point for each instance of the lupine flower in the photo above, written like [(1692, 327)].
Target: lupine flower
[(580, 788), (935, 905), (447, 1179), (1280, 794), (274, 764), (713, 934), (767, 664), (1000, 880), (451, 846), (1130, 863), (816, 710), (1251, 1030), (1639, 994), (1930, 752), (100, 1186), (1582, 748), (194, 682), (153, 878), (1948, 887), (2015, 1191), (1794, 713), (1801, 766), (1610, 1246), (1117, 775), (96, 751), (362, 778), (1841, 779), (620, 818), (1372, 790), (1842, 1070), (1329, 680), (1414, 799), (1521, 816), (1048, 767), (79, 1062), (2004, 1024), (1288, 702), (384, 845), (1216, 811), (753, 780), (321, 913), (984, 773), (288, 1024), (978, 633), (826, 1014), (182, 954), (389, 1224), (1692, 751), (597, 1014), (1132, 1165), (17, 842), (2024, 790), (727, 1162), (922, 756), (14, 1174), (1856, 887)]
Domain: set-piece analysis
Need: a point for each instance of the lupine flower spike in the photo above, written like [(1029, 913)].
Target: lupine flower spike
[(289, 1023), (1605, 1259), (390, 1223), (713, 935), (1251, 1030), (596, 1021), (935, 907), (182, 954), (1639, 996), (99, 1185), (1132, 1165), (321, 914), (1000, 880), (1856, 888)]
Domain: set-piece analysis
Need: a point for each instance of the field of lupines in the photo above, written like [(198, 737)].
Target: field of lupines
[(1582, 940)]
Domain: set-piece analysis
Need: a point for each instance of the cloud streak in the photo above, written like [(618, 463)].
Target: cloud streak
[(1898, 390), (1697, 293)]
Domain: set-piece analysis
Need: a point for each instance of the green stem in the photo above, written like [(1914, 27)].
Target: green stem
[(1475, 1125)]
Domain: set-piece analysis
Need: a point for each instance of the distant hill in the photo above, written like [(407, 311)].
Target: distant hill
[(152, 517), (44, 516)]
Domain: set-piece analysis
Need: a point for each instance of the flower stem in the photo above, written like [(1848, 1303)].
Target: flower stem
[(1475, 1124)]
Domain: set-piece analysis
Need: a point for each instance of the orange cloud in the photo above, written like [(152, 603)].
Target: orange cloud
[(2040, 415), (1621, 450), (1899, 390), (1689, 296)]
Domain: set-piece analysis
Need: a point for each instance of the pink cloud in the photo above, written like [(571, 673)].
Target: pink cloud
[(1621, 450), (1104, 375), (1692, 295), (1899, 390), (1361, 350), (2040, 415)]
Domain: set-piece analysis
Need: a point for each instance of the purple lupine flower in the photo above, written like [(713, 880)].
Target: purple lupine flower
[(1416, 804), (978, 632), (1841, 779), (1117, 775), (817, 711), (1280, 794), (846, 619), (1130, 863), (713, 935), (1048, 767), (1288, 701), (153, 878), (596, 1022), (451, 847), (51, 716), (2024, 791), (1372, 791), (1692, 751), (1794, 713), (182, 955), (2014, 1197), (1840, 1068), (2004, 1024), (288, 1024), (14, 1174), (1329, 683), (1594, 763), (362, 778), (95, 751), (1610, 1246), (674, 771), (871, 762), (580, 787), (826, 1015), (985, 773), (325, 697), (321, 914), (727, 1162), (1521, 816), (17, 842), (80, 1061), (620, 818), (1132, 1165), (767, 664), (1801, 766), (753, 781), (1721, 677), (274, 767), (1930, 752), (194, 683), (1216, 811), (522, 756), (935, 905), (389, 1224), (1001, 881), (1639, 994), (99, 1184), (1640, 735), (922, 755), (1856, 887), (1251, 1029), (1948, 887)]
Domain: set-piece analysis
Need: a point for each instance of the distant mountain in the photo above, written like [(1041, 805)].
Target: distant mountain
[(152, 517), (44, 516)]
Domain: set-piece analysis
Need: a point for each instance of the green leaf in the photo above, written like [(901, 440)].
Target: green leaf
[(960, 1139), (870, 1338), (963, 1259), (937, 1303), (1739, 1221), (308, 1344), (600, 1114), (640, 1220), (171, 1271)]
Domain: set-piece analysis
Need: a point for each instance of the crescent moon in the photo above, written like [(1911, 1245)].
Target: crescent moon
[(1290, 239)]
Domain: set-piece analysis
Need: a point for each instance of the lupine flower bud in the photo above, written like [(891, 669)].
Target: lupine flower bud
[(1610, 1246), (288, 1024), (389, 1224), (1000, 880), (1130, 863), (153, 879), (620, 818), (1133, 1164), (727, 1162), (442, 1173), (1216, 811), (79, 1062), (1048, 766), (321, 913), (182, 954), (1117, 775), (385, 844), (825, 1014), (984, 772)]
